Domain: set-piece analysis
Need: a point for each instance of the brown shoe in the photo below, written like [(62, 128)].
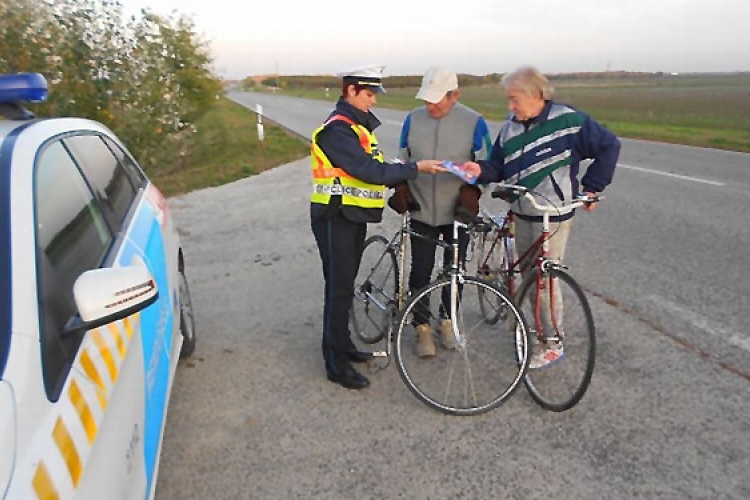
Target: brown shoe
[(447, 338), (425, 346)]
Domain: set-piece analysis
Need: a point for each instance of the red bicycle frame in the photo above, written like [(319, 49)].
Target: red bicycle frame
[(509, 267)]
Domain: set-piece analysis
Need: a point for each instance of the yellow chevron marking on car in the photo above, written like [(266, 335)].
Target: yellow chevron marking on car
[(105, 353), (83, 410), (128, 326), (67, 448), (43, 486), (115, 331), (89, 368)]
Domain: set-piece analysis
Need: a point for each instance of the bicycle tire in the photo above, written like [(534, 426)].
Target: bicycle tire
[(375, 291), (561, 385), (484, 365)]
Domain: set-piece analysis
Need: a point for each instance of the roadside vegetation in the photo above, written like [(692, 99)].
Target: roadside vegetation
[(225, 148), (147, 78)]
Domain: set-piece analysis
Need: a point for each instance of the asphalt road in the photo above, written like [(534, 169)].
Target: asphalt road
[(253, 417)]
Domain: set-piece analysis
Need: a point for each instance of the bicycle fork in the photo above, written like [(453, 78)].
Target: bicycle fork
[(457, 279)]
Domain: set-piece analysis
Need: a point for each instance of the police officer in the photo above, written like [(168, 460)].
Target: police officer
[(349, 178)]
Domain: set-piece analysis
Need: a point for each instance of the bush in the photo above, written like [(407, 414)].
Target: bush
[(145, 79)]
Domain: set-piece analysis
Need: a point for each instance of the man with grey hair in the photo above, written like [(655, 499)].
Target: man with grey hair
[(540, 146), (444, 129)]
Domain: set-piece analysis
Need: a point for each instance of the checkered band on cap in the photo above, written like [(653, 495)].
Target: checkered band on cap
[(369, 76)]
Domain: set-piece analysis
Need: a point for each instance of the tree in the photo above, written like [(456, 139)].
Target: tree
[(146, 79), (25, 43)]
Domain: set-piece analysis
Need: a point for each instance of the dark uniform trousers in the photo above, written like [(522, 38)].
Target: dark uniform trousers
[(340, 243)]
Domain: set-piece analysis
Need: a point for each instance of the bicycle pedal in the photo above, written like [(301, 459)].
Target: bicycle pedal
[(550, 339)]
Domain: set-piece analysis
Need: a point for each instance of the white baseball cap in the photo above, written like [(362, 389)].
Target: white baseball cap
[(436, 83)]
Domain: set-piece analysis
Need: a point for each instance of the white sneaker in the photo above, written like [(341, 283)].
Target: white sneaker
[(546, 355), (447, 337), (425, 346)]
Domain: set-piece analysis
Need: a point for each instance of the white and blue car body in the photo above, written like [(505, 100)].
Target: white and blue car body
[(95, 310)]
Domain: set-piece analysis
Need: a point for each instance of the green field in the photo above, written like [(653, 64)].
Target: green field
[(708, 110)]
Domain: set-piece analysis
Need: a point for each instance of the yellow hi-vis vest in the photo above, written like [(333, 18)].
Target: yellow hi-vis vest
[(329, 180)]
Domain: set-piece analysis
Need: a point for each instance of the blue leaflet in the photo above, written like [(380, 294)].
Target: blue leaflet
[(456, 169)]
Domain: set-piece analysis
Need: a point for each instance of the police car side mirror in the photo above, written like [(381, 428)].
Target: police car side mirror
[(109, 294)]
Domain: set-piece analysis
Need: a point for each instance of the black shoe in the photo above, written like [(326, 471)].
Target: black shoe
[(359, 356), (349, 378)]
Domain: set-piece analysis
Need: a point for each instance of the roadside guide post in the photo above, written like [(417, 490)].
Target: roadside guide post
[(259, 111)]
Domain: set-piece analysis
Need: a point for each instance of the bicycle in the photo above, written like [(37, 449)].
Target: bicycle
[(541, 295), (488, 361)]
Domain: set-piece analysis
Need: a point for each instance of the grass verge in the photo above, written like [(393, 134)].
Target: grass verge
[(224, 148)]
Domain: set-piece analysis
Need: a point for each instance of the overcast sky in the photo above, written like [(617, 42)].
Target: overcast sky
[(252, 37)]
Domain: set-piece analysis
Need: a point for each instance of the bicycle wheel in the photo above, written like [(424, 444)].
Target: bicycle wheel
[(482, 371), (491, 267), (375, 291), (560, 385)]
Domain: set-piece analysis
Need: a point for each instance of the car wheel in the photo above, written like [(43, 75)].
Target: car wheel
[(187, 319)]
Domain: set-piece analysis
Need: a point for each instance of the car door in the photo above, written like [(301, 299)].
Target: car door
[(127, 200), (89, 406), (108, 386), (94, 379)]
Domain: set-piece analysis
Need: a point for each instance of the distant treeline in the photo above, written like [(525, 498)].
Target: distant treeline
[(409, 81)]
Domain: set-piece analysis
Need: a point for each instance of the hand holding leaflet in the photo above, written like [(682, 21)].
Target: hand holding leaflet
[(458, 170)]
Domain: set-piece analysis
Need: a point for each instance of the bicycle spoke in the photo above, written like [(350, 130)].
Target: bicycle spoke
[(493, 263), (560, 385), (375, 290), (482, 371)]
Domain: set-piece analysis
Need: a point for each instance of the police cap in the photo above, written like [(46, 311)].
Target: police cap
[(367, 76)]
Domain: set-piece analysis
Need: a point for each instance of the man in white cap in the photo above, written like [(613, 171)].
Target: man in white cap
[(349, 178), (445, 129)]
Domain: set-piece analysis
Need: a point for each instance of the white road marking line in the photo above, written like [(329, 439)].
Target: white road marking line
[(698, 321), (669, 174)]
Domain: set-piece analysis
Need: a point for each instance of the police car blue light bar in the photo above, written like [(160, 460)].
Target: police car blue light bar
[(23, 87)]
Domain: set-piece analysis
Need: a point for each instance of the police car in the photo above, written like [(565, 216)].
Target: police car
[(95, 309)]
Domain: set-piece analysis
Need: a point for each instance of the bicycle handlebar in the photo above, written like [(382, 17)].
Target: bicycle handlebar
[(506, 190)]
